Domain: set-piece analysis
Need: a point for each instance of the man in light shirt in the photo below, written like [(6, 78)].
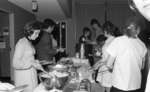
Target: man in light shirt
[(143, 7), (126, 59)]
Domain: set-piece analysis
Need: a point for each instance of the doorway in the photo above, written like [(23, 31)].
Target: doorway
[(6, 44)]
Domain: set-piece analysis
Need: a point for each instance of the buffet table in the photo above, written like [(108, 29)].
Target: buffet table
[(73, 87), (83, 69), (78, 71)]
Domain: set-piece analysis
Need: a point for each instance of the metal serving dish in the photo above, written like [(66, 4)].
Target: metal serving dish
[(57, 78)]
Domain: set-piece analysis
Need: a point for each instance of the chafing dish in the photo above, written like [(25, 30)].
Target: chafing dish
[(55, 78)]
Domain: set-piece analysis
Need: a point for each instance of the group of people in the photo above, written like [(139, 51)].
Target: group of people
[(94, 38), (31, 51), (122, 60), (122, 57)]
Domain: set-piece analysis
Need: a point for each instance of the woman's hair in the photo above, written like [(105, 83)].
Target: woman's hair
[(85, 30), (48, 22), (109, 28), (30, 27), (101, 38), (95, 21)]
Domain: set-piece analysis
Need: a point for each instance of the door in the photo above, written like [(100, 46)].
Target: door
[(4, 45)]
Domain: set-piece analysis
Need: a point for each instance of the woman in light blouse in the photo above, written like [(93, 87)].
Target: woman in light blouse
[(104, 76), (24, 62)]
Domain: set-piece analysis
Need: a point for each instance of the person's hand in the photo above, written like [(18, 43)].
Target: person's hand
[(36, 64), (39, 67), (45, 62), (91, 69), (60, 50), (96, 66)]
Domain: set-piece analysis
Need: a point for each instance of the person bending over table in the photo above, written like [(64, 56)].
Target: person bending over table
[(104, 76), (24, 63)]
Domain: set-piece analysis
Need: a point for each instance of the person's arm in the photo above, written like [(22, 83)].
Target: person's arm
[(145, 58), (81, 39), (102, 61), (112, 52), (91, 42), (104, 56), (110, 62), (97, 65), (36, 64), (52, 51), (143, 62), (18, 58), (54, 42)]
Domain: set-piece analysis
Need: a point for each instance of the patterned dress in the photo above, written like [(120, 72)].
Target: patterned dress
[(104, 76)]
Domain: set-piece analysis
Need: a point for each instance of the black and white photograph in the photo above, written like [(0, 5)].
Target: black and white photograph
[(74, 45)]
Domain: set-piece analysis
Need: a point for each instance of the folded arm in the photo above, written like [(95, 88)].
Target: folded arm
[(18, 59)]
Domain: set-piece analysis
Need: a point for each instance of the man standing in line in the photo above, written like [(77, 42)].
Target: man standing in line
[(126, 59), (97, 29), (44, 48), (142, 6)]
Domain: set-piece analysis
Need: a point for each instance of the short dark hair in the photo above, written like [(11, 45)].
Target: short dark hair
[(31, 26), (95, 21), (48, 22), (86, 29), (109, 27), (101, 38), (137, 22)]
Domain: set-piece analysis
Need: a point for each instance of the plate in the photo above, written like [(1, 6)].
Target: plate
[(19, 88), (59, 67), (45, 75), (46, 63)]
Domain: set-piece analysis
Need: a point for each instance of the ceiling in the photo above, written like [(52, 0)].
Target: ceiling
[(101, 1), (57, 9)]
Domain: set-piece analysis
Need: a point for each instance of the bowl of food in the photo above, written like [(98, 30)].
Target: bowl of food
[(60, 68)]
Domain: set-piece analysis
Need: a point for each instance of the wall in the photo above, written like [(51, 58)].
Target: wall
[(117, 14), (70, 37), (4, 39), (20, 18), (83, 13), (3, 17), (71, 31)]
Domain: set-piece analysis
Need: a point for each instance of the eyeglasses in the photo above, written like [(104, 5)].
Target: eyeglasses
[(132, 5)]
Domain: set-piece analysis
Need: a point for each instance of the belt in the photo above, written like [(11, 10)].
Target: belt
[(23, 68)]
